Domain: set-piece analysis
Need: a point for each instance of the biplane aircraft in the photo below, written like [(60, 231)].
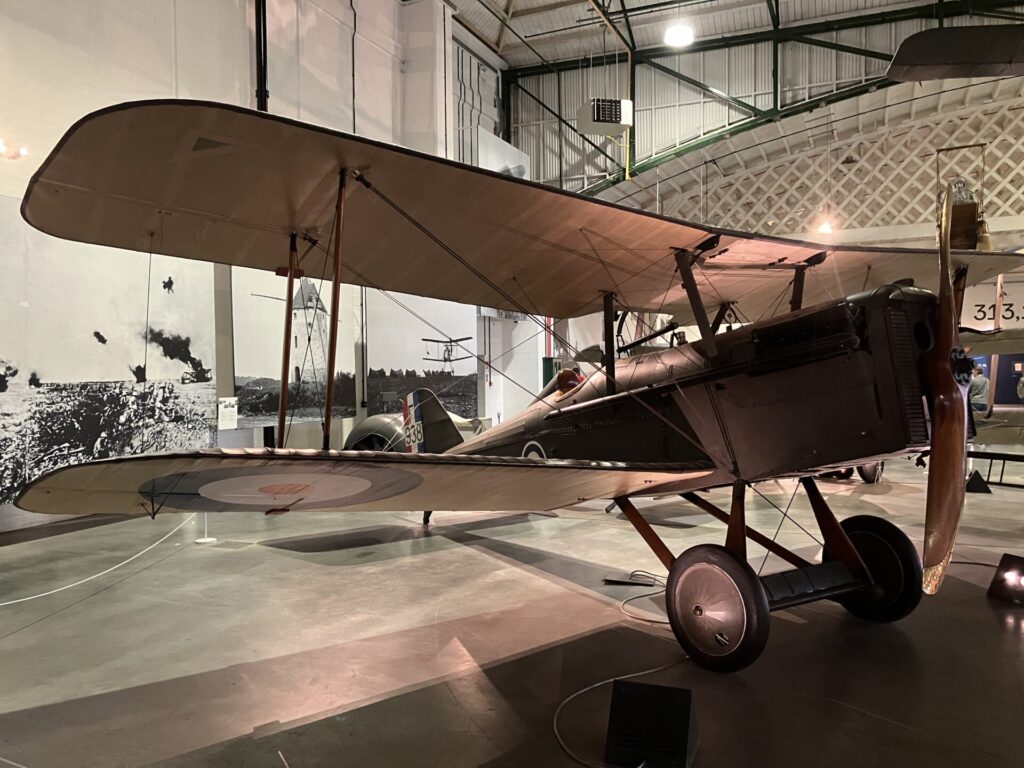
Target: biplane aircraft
[(446, 351), (864, 364)]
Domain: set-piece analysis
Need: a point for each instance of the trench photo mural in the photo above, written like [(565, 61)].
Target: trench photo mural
[(257, 298), (103, 353)]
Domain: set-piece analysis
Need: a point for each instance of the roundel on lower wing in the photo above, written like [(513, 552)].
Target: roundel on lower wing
[(280, 487)]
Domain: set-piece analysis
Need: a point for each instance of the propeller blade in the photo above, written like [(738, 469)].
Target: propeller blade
[(946, 369)]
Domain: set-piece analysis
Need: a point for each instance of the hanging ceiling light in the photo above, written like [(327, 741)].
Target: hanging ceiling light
[(679, 35)]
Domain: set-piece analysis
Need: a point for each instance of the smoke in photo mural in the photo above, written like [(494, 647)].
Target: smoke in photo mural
[(102, 353), (258, 316), (415, 342)]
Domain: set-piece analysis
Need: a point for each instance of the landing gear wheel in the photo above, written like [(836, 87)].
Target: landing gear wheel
[(717, 608), (895, 567), (871, 473)]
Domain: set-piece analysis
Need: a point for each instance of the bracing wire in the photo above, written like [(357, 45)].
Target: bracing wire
[(785, 513), (436, 329), (427, 232)]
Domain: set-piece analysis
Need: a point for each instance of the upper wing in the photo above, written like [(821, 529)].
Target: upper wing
[(265, 480), (220, 183)]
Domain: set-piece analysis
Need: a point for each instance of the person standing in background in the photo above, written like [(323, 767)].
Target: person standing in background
[(978, 392)]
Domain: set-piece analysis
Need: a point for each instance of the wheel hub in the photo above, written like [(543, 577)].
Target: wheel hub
[(711, 609)]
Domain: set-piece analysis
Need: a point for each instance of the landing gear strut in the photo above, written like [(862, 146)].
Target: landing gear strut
[(719, 609)]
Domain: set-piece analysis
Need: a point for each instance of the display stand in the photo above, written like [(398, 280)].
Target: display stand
[(206, 539)]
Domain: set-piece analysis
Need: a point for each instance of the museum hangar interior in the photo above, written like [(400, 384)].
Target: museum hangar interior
[(694, 325)]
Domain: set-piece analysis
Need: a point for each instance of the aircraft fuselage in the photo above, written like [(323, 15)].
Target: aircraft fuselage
[(829, 385)]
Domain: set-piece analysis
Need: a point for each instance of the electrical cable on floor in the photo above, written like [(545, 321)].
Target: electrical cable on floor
[(554, 720), (103, 573), (624, 603), (656, 581)]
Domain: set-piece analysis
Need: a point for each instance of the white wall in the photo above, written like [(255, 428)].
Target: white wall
[(511, 377)]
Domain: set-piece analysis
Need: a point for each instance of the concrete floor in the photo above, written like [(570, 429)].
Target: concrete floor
[(363, 639)]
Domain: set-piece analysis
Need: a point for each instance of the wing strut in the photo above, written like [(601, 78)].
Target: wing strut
[(684, 260), (796, 299), (609, 343), (282, 409), (332, 351)]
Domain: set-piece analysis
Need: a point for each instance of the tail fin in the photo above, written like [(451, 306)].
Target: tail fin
[(428, 427)]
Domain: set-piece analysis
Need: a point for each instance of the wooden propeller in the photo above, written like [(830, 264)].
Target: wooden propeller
[(946, 370)]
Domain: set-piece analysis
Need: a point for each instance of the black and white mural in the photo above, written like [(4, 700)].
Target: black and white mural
[(102, 353), (258, 306), (411, 344)]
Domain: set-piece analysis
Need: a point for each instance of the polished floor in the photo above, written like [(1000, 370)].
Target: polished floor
[(356, 640)]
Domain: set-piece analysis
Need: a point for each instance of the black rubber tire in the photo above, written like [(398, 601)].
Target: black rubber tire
[(895, 567), (871, 473), (709, 566)]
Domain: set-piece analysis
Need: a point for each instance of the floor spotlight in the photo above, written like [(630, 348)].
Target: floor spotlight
[(1008, 583)]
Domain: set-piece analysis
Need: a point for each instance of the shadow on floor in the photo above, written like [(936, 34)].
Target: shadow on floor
[(336, 541), (939, 689), (59, 527)]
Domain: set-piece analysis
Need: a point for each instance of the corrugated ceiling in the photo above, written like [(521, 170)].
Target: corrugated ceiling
[(568, 29)]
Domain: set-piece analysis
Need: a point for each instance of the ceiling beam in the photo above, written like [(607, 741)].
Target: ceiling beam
[(729, 131), (547, 8), (852, 49), (508, 17), (629, 26), (485, 41), (505, 24), (562, 121), (950, 9), (600, 11), (710, 90)]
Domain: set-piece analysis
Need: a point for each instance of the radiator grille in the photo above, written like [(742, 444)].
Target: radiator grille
[(904, 363)]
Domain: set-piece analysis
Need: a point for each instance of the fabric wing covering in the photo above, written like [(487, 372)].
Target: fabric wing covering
[(271, 481), (219, 183)]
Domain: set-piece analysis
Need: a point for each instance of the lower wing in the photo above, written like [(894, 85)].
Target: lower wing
[(272, 481)]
